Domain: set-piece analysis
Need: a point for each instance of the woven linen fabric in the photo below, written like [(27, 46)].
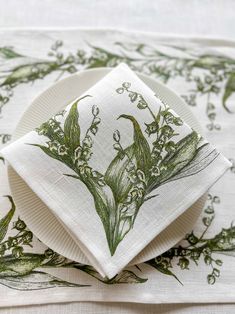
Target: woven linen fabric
[(201, 71), (109, 186)]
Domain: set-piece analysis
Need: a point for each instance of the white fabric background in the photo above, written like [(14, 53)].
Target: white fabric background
[(192, 18), (213, 18)]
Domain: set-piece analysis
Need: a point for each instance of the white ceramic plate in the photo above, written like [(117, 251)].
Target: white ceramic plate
[(37, 215)]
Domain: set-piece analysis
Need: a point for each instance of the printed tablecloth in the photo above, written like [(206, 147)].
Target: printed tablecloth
[(203, 73)]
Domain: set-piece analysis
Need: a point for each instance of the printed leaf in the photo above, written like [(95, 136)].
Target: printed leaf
[(11, 266), (36, 281), (106, 208), (8, 53), (5, 221), (71, 127), (202, 159), (87, 269), (105, 205), (229, 90), (139, 153), (185, 151), (211, 61), (116, 175), (160, 267), (224, 241), (141, 147), (126, 276), (28, 72), (103, 58)]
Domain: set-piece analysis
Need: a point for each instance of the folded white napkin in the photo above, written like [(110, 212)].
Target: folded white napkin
[(116, 167)]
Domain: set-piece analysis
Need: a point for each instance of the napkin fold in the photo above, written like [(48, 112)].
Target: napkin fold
[(116, 167)]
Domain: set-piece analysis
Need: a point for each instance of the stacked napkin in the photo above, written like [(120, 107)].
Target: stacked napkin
[(116, 167)]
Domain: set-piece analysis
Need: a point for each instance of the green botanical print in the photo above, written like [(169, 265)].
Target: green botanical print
[(21, 270), (195, 248), (210, 75), (207, 76), (17, 267), (21, 239), (136, 171)]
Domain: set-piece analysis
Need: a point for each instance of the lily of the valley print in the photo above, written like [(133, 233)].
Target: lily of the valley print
[(154, 158)]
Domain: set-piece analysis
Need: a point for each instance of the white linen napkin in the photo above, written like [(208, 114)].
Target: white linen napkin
[(116, 167)]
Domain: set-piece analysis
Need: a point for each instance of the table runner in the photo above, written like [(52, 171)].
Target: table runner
[(202, 72)]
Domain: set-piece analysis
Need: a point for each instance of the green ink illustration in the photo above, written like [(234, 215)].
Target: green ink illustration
[(21, 270), (136, 171), (17, 268), (196, 248), (206, 76)]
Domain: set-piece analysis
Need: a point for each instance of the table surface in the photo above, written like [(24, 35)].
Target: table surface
[(209, 19)]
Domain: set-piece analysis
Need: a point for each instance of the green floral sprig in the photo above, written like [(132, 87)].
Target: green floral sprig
[(218, 71), (194, 249), (30, 72), (14, 244), (199, 248), (218, 74), (208, 85)]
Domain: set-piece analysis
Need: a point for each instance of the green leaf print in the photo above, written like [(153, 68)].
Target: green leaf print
[(162, 267), (184, 151), (13, 267), (71, 127), (206, 77), (20, 272), (229, 90), (4, 222), (135, 171), (8, 53), (36, 280), (208, 73), (124, 277)]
